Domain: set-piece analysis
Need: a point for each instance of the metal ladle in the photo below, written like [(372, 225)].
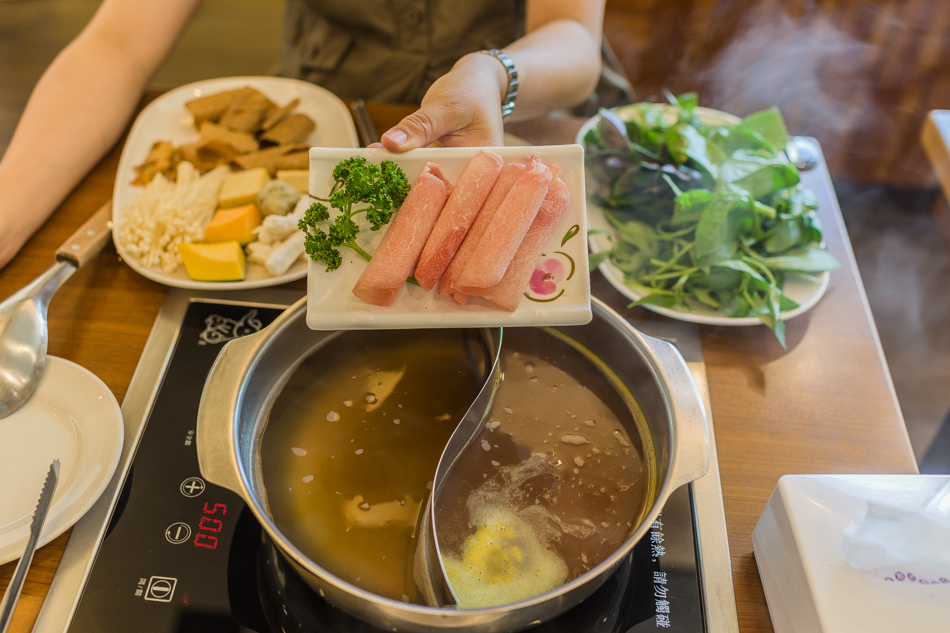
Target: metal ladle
[(23, 326), (428, 570)]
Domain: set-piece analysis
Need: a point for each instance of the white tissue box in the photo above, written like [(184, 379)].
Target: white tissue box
[(800, 545)]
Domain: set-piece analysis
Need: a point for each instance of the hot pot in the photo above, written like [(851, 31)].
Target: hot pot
[(250, 372)]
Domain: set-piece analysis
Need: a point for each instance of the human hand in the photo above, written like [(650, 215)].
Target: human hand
[(461, 109)]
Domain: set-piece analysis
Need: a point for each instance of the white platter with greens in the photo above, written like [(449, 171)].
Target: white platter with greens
[(700, 216)]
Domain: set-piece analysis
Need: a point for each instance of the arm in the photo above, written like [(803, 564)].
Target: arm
[(558, 63), (80, 107)]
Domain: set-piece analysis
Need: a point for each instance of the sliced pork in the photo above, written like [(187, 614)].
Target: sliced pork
[(486, 267), (448, 285), (507, 294), (470, 193), (399, 250)]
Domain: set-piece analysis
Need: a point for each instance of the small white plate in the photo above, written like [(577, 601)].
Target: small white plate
[(803, 290), (168, 119), (331, 304), (72, 416)]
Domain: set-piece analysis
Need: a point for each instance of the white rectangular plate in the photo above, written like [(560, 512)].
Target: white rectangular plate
[(563, 298)]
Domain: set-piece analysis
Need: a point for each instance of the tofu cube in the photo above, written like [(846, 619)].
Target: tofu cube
[(241, 187), (299, 178)]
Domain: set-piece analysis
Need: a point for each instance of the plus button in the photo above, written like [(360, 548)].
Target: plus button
[(192, 487)]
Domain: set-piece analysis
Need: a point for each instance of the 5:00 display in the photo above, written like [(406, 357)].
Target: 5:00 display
[(208, 527)]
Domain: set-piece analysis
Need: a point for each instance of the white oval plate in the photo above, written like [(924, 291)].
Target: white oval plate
[(167, 119), (72, 416), (803, 290), (331, 304)]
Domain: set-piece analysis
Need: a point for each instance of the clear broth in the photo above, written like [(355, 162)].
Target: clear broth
[(352, 443)]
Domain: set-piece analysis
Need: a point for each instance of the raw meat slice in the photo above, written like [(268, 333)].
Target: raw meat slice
[(448, 283), (470, 192), (508, 293), (486, 267), (400, 247)]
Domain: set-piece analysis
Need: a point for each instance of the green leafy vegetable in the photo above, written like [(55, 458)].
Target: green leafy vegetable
[(378, 189), (704, 214)]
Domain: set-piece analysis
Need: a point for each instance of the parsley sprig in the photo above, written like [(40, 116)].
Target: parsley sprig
[(381, 187)]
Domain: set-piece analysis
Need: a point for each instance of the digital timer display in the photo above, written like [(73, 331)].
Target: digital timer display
[(209, 527)]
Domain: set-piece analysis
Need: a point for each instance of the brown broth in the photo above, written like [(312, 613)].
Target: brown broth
[(555, 482), (352, 444)]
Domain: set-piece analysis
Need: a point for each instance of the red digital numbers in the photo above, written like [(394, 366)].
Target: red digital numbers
[(217, 506), (212, 525), (206, 540), (208, 527)]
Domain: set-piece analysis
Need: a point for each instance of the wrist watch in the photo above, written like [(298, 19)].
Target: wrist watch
[(508, 104)]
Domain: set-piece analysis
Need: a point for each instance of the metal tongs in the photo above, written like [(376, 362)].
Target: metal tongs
[(12, 595), (365, 129)]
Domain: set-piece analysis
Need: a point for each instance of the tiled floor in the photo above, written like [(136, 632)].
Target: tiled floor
[(904, 262)]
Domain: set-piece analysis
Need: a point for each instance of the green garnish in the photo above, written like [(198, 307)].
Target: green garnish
[(705, 214), (381, 187)]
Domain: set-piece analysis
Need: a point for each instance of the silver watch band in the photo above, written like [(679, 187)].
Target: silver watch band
[(508, 103)]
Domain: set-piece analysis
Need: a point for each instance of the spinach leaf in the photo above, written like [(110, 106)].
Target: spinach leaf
[(704, 215)]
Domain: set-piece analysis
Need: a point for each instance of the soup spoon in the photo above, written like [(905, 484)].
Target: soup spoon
[(23, 327), (428, 569)]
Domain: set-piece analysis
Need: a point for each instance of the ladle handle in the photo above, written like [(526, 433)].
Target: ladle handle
[(216, 438), (89, 239), (690, 453)]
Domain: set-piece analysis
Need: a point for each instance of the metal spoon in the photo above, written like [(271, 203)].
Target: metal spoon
[(803, 152), (23, 327), (428, 570)]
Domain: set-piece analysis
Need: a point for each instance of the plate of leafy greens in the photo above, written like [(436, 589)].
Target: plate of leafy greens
[(701, 216)]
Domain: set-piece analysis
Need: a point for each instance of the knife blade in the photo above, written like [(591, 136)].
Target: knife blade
[(12, 595)]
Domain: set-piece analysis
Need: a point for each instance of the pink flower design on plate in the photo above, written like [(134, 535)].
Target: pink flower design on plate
[(546, 277)]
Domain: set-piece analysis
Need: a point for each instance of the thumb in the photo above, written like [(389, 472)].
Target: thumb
[(424, 126)]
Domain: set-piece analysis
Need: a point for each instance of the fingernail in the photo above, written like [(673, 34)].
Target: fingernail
[(397, 137)]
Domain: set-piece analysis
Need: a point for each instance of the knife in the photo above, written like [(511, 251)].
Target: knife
[(19, 575)]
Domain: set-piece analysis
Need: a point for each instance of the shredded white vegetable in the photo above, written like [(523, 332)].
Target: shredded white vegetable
[(277, 228), (258, 252), (167, 214), (283, 255)]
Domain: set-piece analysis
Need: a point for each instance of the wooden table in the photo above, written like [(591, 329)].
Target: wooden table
[(824, 405), (935, 139)]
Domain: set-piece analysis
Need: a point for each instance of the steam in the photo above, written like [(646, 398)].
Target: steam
[(815, 73)]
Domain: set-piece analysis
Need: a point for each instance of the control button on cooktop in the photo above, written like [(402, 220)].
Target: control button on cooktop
[(178, 533), (192, 487)]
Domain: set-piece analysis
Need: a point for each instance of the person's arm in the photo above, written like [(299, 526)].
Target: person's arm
[(558, 64), (80, 107)]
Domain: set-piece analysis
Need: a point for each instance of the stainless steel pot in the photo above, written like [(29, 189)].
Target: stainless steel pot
[(251, 371)]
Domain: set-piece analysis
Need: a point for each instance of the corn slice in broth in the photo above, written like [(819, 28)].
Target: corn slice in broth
[(554, 484)]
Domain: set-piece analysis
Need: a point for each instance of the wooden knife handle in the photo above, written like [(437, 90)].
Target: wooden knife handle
[(86, 242)]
